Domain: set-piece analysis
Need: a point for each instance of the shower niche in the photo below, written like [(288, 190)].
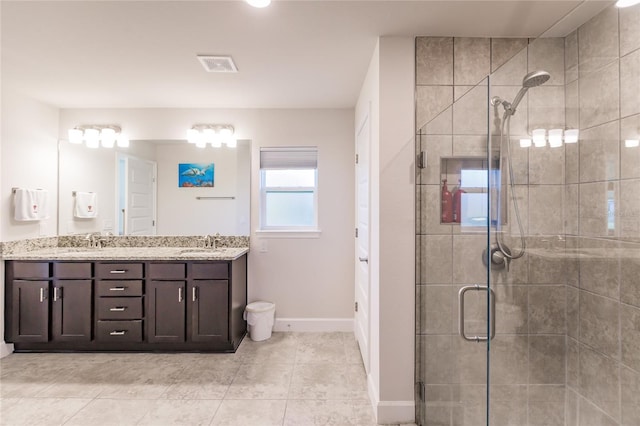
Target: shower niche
[(469, 190)]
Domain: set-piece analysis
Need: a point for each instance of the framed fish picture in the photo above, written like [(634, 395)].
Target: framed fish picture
[(195, 175)]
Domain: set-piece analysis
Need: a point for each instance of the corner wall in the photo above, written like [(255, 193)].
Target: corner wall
[(388, 91)]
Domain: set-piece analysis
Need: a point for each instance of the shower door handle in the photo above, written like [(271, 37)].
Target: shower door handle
[(492, 313)]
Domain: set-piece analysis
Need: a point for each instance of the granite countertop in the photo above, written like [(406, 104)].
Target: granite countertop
[(129, 253)]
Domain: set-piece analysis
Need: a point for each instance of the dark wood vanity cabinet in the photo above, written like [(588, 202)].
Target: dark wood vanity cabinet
[(48, 302), (165, 306)]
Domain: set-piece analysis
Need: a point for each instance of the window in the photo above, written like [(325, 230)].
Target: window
[(289, 189)]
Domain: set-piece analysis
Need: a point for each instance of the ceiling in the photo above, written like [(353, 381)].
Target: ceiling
[(293, 54)]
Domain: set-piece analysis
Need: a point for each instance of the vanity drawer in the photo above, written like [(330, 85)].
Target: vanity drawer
[(119, 331), (119, 288), (118, 271), (167, 271), (205, 271), (72, 270), (30, 269), (119, 308)]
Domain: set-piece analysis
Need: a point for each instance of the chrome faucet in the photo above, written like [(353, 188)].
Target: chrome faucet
[(210, 241), (94, 241)]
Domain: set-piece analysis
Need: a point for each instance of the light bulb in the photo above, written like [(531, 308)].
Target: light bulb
[(75, 136), (92, 137), (108, 137), (259, 3), (571, 135), (193, 135), (209, 135), (555, 138), (525, 143), (538, 136)]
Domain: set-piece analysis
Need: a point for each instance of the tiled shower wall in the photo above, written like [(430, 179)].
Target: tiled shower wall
[(602, 69), (567, 349), (528, 352)]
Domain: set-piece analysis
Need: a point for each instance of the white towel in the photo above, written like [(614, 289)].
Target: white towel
[(86, 205), (31, 204)]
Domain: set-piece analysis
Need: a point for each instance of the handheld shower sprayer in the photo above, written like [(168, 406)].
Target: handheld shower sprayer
[(500, 254)]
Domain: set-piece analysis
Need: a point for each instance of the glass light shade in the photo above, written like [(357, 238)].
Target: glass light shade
[(123, 141), (555, 138), (217, 141), (626, 3), (259, 3), (631, 143), (208, 135), (226, 134), (75, 136), (92, 137), (525, 143), (571, 135), (108, 137), (232, 142), (538, 136), (200, 143), (193, 135)]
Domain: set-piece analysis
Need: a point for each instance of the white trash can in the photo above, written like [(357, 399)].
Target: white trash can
[(260, 317)]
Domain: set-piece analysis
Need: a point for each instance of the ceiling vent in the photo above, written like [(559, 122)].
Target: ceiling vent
[(217, 63)]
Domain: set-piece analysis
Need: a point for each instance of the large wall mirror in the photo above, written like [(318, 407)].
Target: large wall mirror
[(154, 188)]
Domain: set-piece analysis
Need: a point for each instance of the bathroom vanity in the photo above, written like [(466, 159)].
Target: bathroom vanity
[(126, 299)]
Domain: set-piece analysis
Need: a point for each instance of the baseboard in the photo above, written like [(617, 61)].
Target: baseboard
[(5, 349), (390, 412), (396, 412), (314, 324)]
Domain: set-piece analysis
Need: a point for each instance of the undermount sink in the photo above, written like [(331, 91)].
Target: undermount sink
[(199, 251)]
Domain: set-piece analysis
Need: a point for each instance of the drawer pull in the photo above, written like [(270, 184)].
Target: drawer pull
[(117, 333), (118, 309), (179, 294), (117, 289), (42, 295), (55, 294), (194, 294), (118, 271)]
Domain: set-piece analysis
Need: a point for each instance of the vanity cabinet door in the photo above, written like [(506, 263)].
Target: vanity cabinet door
[(166, 311), (209, 305), (30, 311), (71, 311)]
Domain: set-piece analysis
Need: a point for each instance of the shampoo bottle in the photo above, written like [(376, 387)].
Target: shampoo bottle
[(457, 203), (446, 204)]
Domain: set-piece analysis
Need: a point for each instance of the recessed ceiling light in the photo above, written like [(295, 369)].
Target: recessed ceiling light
[(217, 63), (259, 3), (627, 3)]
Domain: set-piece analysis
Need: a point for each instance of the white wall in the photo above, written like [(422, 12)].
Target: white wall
[(28, 153), (309, 279), (388, 88)]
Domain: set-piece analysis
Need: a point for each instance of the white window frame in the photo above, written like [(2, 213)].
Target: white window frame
[(288, 161)]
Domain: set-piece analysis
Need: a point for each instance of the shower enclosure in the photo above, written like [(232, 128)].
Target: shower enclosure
[(528, 265)]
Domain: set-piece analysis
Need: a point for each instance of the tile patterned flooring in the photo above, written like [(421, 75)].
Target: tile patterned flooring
[(291, 379)]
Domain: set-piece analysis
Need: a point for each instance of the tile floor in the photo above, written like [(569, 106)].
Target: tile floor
[(290, 379)]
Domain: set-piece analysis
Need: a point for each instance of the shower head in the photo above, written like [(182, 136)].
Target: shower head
[(533, 79)]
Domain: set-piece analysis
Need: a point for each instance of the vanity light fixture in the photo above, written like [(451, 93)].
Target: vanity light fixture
[(554, 136), (259, 3), (213, 134), (627, 3), (95, 135)]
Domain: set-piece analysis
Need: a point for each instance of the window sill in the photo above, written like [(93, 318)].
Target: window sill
[(288, 233)]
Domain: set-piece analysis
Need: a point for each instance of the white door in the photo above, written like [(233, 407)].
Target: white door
[(140, 210), (362, 290)]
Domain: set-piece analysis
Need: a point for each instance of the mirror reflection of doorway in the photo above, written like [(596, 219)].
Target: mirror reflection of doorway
[(136, 189)]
